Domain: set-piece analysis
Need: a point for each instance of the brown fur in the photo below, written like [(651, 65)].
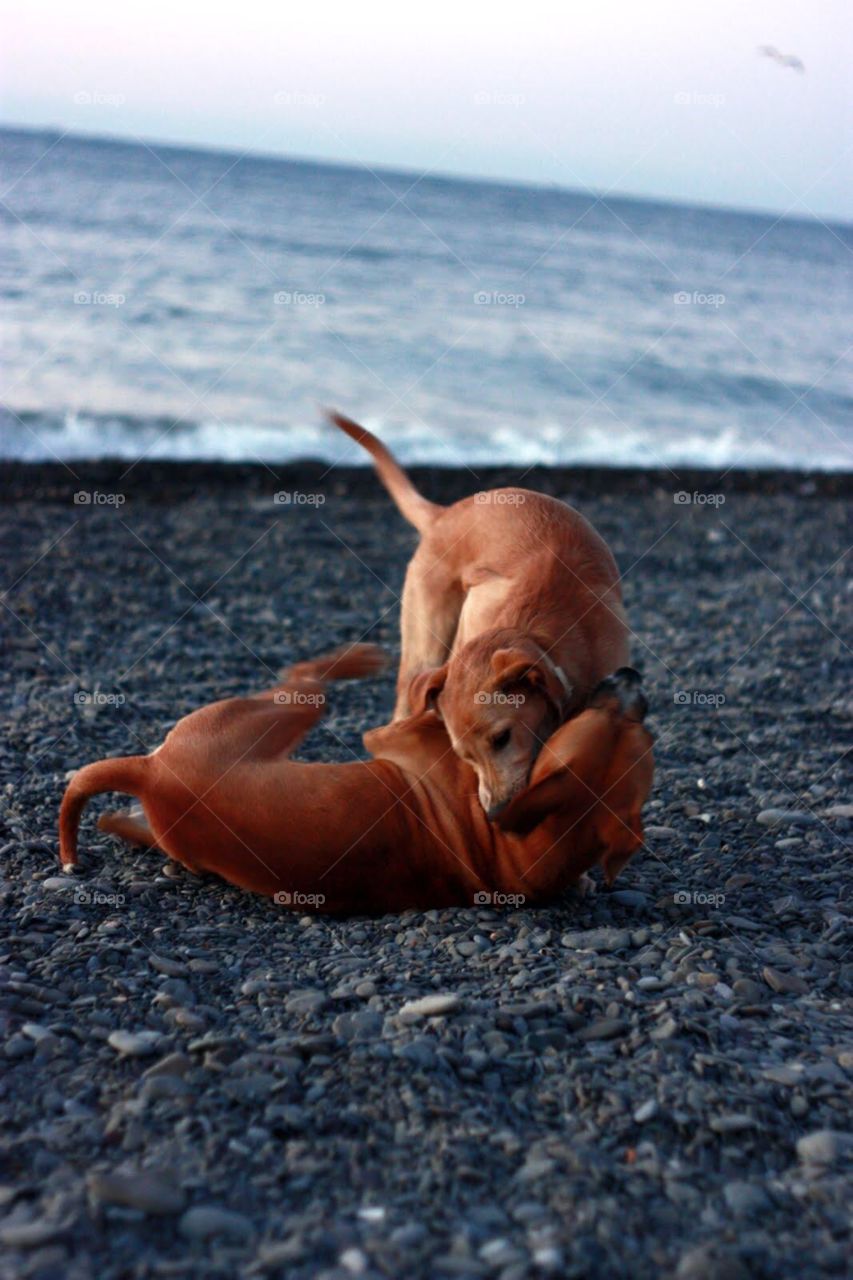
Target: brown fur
[(510, 570), (403, 830)]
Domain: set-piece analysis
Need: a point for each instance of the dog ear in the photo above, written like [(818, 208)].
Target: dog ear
[(424, 689), (620, 822), (525, 664)]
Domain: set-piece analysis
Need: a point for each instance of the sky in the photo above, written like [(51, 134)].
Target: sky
[(667, 99)]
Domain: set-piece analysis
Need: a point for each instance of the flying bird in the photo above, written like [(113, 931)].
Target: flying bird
[(783, 59)]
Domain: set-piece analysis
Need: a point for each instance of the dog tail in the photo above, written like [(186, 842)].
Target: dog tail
[(347, 662), (417, 509), (124, 773)]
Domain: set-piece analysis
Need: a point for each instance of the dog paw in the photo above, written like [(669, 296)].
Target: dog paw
[(585, 887)]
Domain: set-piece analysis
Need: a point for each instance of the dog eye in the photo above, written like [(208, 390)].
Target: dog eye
[(501, 740)]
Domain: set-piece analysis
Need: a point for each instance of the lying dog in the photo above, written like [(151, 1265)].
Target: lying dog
[(400, 831), (514, 600)]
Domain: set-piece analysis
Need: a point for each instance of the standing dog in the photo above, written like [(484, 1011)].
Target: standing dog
[(513, 600), (401, 831)]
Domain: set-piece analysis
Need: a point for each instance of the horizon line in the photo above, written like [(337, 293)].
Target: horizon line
[(135, 140)]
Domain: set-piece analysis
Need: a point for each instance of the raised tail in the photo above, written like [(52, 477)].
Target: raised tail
[(417, 509), (347, 662), (124, 773)]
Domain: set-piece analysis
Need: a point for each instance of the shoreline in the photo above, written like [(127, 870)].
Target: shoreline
[(162, 481)]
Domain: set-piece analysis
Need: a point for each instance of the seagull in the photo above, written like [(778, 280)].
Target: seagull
[(783, 59)]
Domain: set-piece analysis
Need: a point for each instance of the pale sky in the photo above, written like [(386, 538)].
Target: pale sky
[(664, 98)]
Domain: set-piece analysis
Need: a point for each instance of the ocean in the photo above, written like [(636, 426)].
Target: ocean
[(167, 302)]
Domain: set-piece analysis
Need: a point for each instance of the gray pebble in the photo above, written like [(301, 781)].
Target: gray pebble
[(745, 1199), (824, 1147), (429, 1007), (145, 1190), (206, 1220), (135, 1044), (784, 983), (786, 817)]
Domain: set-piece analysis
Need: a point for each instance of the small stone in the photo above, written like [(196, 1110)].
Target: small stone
[(732, 1123), (206, 1220), (171, 968), (498, 1252), (783, 1075), (785, 817), (784, 983), (160, 1088), (646, 1111), (840, 811), (187, 1020), (355, 1261), (429, 1007), (744, 1199), (707, 1262), (32, 1235), (135, 1044), (305, 1002), (146, 1190), (372, 1213), (665, 1029), (18, 1046), (629, 897), (363, 1025), (36, 1032), (174, 1064), (56, 884), (661, 833), (824, 1146), (605, 939), (604, 1029), (275, 1254), (748, 992)]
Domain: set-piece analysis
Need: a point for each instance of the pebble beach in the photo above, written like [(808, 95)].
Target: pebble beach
[(650, 1081)]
